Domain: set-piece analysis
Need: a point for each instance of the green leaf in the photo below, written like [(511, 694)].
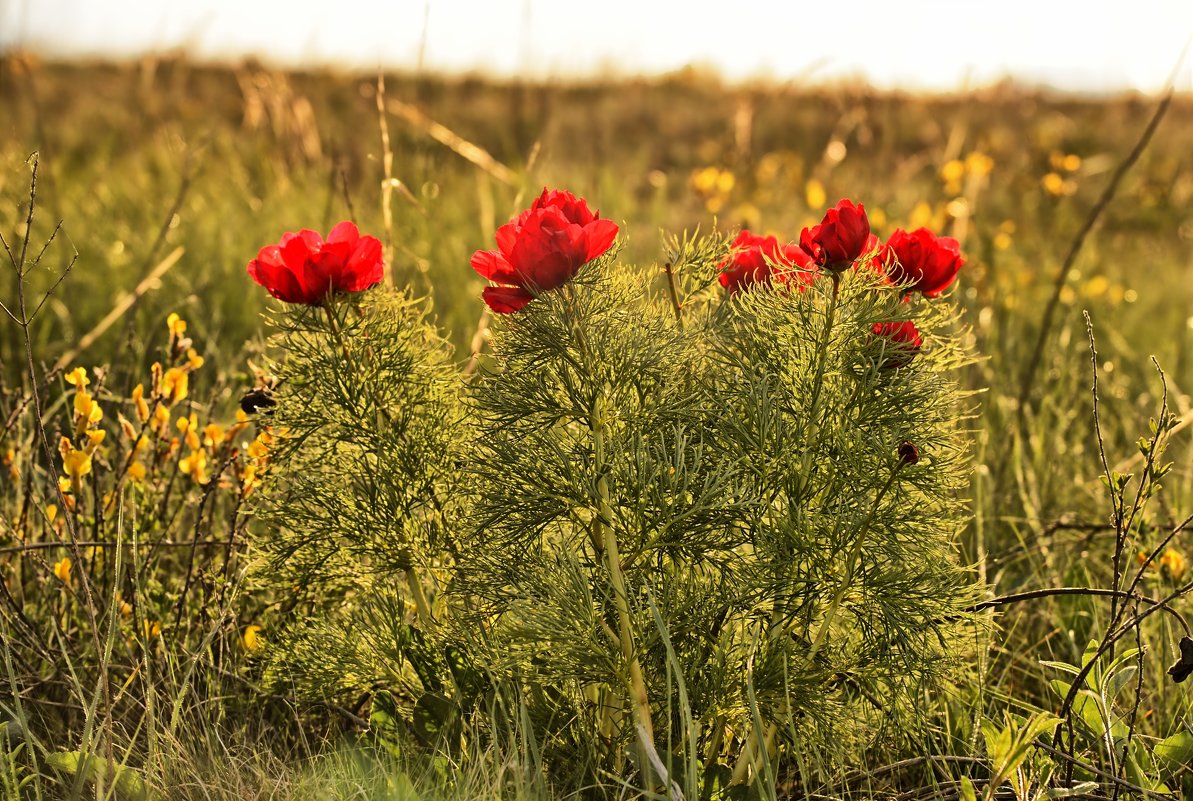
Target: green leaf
[(125, 781), (1174, 752), (437, 721), (967, 791)]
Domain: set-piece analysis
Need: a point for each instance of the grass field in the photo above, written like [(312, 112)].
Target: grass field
[(168, 177)]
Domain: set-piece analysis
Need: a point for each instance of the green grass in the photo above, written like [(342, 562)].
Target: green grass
[(246, 154)]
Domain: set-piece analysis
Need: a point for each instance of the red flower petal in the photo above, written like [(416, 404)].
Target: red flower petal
[(600, 235), (492, 265), (364, 268), (506, 299)]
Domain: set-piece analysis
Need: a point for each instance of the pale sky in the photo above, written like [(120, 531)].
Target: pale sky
[(915, 44)]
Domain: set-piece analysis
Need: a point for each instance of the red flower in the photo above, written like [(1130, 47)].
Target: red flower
[(541, 249), (305, 268), (839, 238), (903, 338), (759, 259), (929, 261)]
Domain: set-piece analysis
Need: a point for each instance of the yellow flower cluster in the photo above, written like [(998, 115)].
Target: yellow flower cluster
[(1058, 182), (714, 185), (1172, 564), (78, 452), (964, 174)]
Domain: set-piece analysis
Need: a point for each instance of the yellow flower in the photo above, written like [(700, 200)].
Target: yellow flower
[(193, 360), (76, 463), (126, 609), (10, 461), (87, 411), (259, 447), (1057, 186), (195, 466), (951, 173), (176, 324), (77, 377), (1173, 564), (139, 401), (161, 419), (151, 629), (249, 479), (814, 194), (62, 570), (213, 435), (252, 640), (136, 471), (978, 164), (95, 439), (51, 512), (174, 385), (187, 427), (1064, 162), (922, 216)]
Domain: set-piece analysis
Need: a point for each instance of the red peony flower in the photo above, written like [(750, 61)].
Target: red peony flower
[(929, 261), (837, 241), (305, 268), (760, 259), (903, 338), (541, 249)]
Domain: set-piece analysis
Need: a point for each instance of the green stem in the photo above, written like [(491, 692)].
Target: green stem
[(603, 532)]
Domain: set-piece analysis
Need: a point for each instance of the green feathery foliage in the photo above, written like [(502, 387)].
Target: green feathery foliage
[(355, 519), (716, 509)]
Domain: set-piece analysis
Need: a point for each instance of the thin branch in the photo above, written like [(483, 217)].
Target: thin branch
[(1027, 381)]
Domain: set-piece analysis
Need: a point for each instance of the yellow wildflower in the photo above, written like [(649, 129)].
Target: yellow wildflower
[(193, 360), (77, 377), (213, 435), (87, 411), (1173, 564), (95, 439), (252, 639), (978, 164), (922, 216), (187, 427), (814, 194), (195, 466), (62, 570), (161, 419), (951, 173), (176, 324), (51, 512), (151, 629), (249, 479), (76, 463), (136, 471), (174, 385), (126, 609), (139, 401), (259, 447), (1057, 186)]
